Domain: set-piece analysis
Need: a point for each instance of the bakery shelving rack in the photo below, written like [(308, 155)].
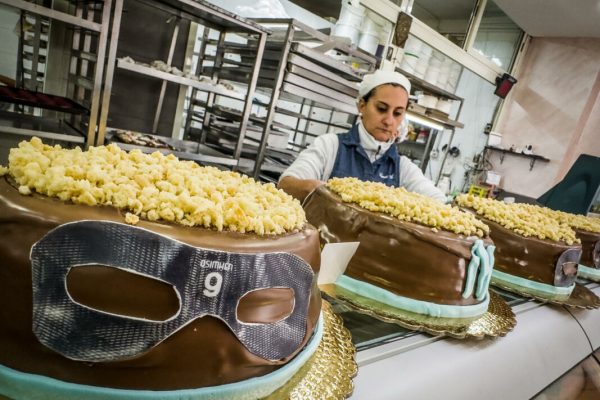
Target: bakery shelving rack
[(34, 31), (307, 86), (154, 69), (67, 109), (436, 120)]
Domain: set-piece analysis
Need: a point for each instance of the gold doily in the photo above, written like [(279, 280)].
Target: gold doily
[(328, 373), (581, 297), (497, 321)]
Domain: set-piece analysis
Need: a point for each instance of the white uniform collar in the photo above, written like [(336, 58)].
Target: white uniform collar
[(373, 147)]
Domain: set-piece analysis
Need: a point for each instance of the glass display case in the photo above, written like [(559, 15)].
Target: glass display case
[(548, 342)]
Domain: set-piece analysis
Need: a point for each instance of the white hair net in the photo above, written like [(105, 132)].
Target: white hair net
[(378, 78), (381, 77)]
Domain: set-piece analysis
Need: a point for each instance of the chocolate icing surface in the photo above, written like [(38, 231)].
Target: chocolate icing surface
[(407, 259), (527, 257), (203, 353)]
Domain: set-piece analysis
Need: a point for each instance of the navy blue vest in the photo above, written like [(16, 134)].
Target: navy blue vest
[(352, 161)]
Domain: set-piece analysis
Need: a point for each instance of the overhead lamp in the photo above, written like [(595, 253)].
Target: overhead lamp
[(424, 121)]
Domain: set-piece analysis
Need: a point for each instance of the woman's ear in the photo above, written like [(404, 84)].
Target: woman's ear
[(361, 106)]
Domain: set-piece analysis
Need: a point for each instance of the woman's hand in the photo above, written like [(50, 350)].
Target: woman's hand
[(299, 188)]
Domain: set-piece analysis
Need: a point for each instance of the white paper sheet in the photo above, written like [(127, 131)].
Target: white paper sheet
[(334, 260)]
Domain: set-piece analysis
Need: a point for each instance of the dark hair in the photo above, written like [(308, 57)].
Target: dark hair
[(371, 92)]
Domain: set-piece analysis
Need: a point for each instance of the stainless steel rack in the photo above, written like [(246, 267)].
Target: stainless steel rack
[(34, 31), (177, 88), (76, 74), (302, 70), (314, 71)]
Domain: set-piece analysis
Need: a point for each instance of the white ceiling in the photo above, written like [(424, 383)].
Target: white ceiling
[(555, 18)]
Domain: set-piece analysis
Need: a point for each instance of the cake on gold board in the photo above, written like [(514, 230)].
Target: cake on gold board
[(587, 230), (132, 275), (421, 264), (537, 255)]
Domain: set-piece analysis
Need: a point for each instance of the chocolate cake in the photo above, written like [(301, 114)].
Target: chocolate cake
[(203, 351), (406, 264), (535, 252), (590, 243), (587, 230)]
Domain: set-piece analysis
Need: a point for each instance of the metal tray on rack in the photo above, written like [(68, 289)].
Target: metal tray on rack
[(30, 98), (298, 94), (207, 87)]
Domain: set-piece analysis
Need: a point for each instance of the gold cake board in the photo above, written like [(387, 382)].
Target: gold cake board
[(328, 373), (497, 321), (581, 297)]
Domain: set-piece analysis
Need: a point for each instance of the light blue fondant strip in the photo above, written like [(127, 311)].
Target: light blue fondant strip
[(588, 273), (416, 306), (485, 271), (490, 251), (528, 284), (471, 271), (19, 385)]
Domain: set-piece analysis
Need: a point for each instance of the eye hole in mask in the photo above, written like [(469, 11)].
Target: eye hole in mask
[(266, 306), (122, 292)]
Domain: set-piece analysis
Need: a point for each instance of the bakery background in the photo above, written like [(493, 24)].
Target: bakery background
[(152, 92)]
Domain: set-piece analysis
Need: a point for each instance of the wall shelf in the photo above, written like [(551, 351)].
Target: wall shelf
[(428, 87), (532, 157)]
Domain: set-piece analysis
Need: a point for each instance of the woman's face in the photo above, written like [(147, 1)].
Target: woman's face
[(383, 112)]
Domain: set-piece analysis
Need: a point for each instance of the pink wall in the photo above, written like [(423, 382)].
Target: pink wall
[(555, 106)]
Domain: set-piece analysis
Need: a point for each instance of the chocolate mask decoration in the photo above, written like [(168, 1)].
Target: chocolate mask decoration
[(208, 282), (566, 268)]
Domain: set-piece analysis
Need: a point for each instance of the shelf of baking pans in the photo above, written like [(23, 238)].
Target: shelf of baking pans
[(182, 149), (84, 24), (179, 106), (181, 80), (307, 68), (31, 98), (45, 128)]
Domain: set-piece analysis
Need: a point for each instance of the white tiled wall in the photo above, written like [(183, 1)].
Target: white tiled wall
[(8, 41)]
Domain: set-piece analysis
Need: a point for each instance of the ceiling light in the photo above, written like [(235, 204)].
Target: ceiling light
[(424, 121)]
